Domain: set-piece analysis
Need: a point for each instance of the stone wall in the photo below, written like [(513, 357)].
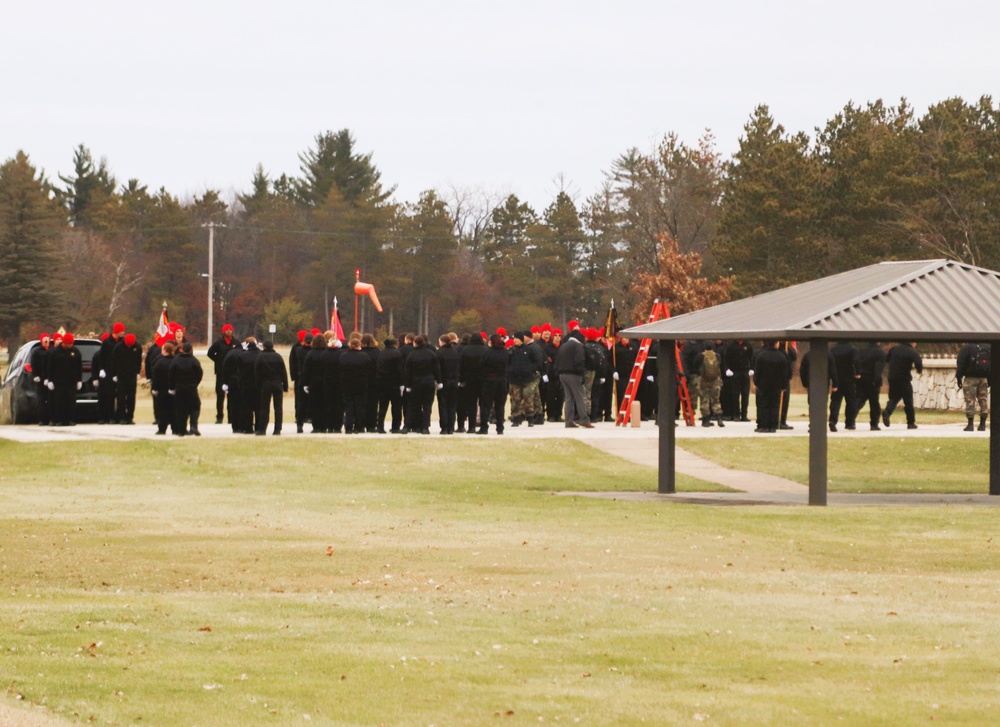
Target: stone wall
[(935, 388)]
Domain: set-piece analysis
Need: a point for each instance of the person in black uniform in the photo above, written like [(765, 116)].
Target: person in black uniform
[(448, 358), (231, 386), (39, 366), (333, 384), (355, 366), (871, 363), (65, 370), (770, 377), (554, 390), (126, 366), (389, 381), (470, 380), (493, 395), (217, 353), (163, 403), (272, 380), (847, 362), (737, 357), (296, 357), (902, 359), (787, 348), (370, 346), (312, 385), (183, 379), (107, 392), (624, 355), (421, 376), (249, 390)]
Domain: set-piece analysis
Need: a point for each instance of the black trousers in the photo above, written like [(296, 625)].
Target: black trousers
[(390, 401), (64, 404), (220, 397), (868, 394), (163, 411), (317, 406), (848, 395), (420, 401), (768, 408), (268, 393), (355, 399), (493, 397), (740, 392), (187, 408), (125, 396), (448, 406), (469, 402), (901, 391)]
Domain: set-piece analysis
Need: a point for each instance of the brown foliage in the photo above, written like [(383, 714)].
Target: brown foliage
[(678, 283)]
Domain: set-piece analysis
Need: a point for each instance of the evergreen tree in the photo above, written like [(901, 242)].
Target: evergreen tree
[(30, 220), (88, 189), (333, 163)]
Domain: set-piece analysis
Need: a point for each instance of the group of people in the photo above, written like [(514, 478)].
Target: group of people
[(354, 386), (718, 375)]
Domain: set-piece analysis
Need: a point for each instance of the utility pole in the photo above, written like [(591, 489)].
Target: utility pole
[(211, 280)]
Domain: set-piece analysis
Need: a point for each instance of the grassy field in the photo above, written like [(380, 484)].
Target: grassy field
[(876, 464), (443, 582)]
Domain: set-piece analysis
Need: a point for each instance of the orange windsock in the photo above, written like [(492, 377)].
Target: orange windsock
[(369, 290)]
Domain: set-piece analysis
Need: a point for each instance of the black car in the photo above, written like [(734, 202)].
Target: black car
[(19, 402)]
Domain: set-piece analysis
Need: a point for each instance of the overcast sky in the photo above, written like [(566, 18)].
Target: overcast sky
[(507, 96)]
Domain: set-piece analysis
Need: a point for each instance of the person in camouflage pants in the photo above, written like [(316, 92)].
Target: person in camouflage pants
[(523, 399), (972, 374)]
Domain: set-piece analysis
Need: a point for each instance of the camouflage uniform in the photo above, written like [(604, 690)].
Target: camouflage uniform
[(710, 392), (522, 400), (976, 390)]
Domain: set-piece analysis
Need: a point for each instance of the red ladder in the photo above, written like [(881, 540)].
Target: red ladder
[(660, 311)]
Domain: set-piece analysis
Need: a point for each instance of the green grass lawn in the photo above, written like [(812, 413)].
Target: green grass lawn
[(434, 581), (878, 464)]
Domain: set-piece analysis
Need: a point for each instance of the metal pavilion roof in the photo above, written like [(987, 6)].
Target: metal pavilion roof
[(923, 300)]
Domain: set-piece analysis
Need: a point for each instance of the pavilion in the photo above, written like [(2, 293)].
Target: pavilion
[(916, 301)]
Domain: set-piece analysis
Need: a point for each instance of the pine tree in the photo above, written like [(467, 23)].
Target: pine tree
[(30, 220), (88, 189), (333, 163)]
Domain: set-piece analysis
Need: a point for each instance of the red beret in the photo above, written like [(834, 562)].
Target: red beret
[(130, 339), (68, 340), (573, 324), (43, 335), (536, 329), (316, 331), (546, 327), (501, 331), (557, 331), (509, 343), (118, 328), (302, 336), (105, 335), (227, 327)]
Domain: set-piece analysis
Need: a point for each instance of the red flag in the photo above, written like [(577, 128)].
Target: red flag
[(163, 328), (335, 322)]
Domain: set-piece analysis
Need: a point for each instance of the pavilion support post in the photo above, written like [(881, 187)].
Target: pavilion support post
[(994, 431), (819, 376), (665, 417)]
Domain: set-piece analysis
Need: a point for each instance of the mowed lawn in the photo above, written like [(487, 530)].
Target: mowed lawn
[(441, 581)]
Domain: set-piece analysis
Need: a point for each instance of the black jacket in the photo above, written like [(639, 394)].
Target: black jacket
[(521, 367), (126, 361), (269, 369), (495, 363), (389, 367), (902, 359), (847, 361), (448, 358), (571, 359), (471, 362), (772, 372), (65, 366), (355, 368), (421, 364), (871, 363), (218, 350), (185, 373)]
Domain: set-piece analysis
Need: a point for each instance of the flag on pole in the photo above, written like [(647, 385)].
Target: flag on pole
[(335, 322), (163, 329), (612, 326)]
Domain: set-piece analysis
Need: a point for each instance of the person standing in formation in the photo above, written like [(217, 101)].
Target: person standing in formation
[(39, 366), (163, 403), (217, 353), (107, 393), (389, 380), (708, 371), (272, 379), (571, 364), (773, 369), (354, 366), (493, 394), (448, 359), (65, 371), (183, 379), (126, 367)]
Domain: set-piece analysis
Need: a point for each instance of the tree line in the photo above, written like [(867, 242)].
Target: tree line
[(678, 222)]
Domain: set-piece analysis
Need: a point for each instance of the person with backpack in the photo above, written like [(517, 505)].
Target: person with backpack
[(973, 377), (709, 370)]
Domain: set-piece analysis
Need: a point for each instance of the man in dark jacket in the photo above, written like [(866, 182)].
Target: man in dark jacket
[(231, 386), (771, 374), (159, 381), (902, 359), (421, 375), (217, 353), (447, 396), (355, 366), (737, 357), (470, 381), (522, 370), (126, 366), (871, 363), (65, 370), (571, 365), (847, 362), (39, 365), (249, 391), (183, 379), (389, 381), (107, 392), (272, 380)]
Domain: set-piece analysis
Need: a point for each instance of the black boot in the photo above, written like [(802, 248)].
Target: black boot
[(718, 420), (707, 421), (982, 422), (970, 427)]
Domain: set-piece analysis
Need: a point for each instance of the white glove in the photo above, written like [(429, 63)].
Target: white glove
[(172, 392), (37, 379), (103, 374), (115, 379), (439, 386), (225, 388), (401, 390), (95, 382), (155, 393), (408, 389), (615, 376), (79, 385), (545, 378), (305, 389), (601, 381), (137, 378), (751, 373), (461, 384), (50, 386), (649, 378), (729, 372)]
